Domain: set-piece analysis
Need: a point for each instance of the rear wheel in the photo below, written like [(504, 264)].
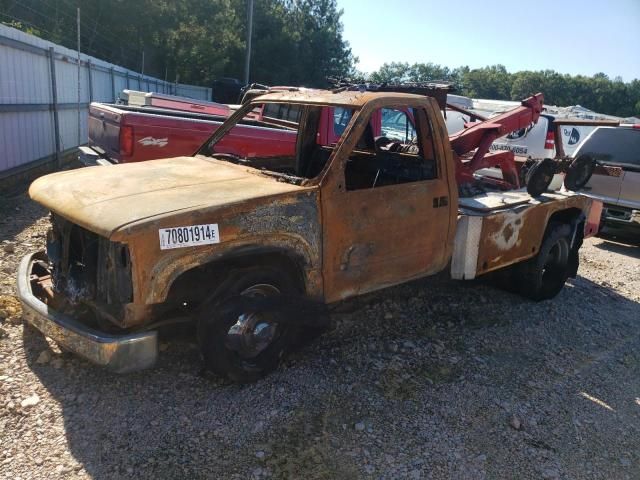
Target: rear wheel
[(543, 276), (243, 335)]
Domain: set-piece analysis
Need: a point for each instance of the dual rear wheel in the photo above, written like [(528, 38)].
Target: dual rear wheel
[(543, 276)]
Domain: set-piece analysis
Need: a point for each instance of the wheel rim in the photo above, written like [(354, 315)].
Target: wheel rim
[(556, 260), (253, 332)]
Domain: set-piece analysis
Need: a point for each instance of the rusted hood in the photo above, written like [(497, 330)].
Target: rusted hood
[(106, 199)]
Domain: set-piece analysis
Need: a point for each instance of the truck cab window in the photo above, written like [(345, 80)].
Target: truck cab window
[(396, 125), (341, 117), (282, 111), (399, 153)]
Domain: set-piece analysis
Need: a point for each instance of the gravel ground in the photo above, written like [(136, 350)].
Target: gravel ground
[(433, 379)]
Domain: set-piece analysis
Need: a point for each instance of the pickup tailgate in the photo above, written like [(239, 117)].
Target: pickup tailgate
[(104, 130)]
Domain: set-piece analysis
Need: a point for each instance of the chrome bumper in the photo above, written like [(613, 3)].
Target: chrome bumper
[(90, 158), (118, 353), (621, 216)]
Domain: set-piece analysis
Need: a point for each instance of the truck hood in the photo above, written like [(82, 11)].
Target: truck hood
[(107, 199)]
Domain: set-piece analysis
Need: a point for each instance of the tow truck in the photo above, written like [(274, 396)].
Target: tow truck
[(253, 247)]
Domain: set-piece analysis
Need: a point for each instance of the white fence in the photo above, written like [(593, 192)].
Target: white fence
[(39, 97)]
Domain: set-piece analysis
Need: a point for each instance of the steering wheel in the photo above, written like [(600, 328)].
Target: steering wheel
[(380, 142)]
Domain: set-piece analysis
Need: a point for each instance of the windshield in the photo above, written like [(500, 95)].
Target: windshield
[(292, 141)]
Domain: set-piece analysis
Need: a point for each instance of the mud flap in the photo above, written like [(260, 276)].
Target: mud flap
[(574, 254), (576, 243)]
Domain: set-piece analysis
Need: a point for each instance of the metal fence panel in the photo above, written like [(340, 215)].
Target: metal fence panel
[(101, 81), (190, 91), (120, 81), (25, 136), (20, 77), (68, 82), (69, 127), (28, 104)]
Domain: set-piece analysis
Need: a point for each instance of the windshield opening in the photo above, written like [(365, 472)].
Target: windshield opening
[(291, 141)]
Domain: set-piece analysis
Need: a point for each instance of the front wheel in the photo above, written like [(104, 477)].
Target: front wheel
[(543, 276), (242, 333)]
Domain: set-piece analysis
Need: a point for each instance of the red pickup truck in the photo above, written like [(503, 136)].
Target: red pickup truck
[(126, 134)]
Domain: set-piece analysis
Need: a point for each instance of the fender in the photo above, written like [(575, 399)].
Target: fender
[(170, 268)]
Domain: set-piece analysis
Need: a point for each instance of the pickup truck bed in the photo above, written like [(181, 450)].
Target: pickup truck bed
[(125, 134)]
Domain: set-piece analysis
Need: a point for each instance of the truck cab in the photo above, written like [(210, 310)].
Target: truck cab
[(252, 245)]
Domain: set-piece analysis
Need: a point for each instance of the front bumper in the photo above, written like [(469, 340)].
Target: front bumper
[(118, 353)]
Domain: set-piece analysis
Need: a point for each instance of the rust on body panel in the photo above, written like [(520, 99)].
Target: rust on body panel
[(122, 199), (285, 222), (381, 239), (377, 237), (345, 98), (132, 202), (515, 234)]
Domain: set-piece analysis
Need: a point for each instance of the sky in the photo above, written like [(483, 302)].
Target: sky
[(568, 36)]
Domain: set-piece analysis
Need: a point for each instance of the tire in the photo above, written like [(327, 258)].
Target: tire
[(242, 336), (543, 276), (579, 172), (539, 177)]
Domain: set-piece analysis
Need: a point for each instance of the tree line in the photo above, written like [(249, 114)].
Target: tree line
[(598, 92), (295, 42), (197, 41)]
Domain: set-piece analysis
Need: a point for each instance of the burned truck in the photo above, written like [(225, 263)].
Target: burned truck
[(246, 245)]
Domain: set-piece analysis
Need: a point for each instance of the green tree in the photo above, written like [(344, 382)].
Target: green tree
[(525, 84), (294, 41), (488, 82), (396, 72), (598, 93), (299, 43), (393, 72)]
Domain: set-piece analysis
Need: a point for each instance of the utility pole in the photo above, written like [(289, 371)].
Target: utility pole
[(247, 60), (142, 62), (79, 122)]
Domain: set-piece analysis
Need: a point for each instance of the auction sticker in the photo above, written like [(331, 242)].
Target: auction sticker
[(191, 236)]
